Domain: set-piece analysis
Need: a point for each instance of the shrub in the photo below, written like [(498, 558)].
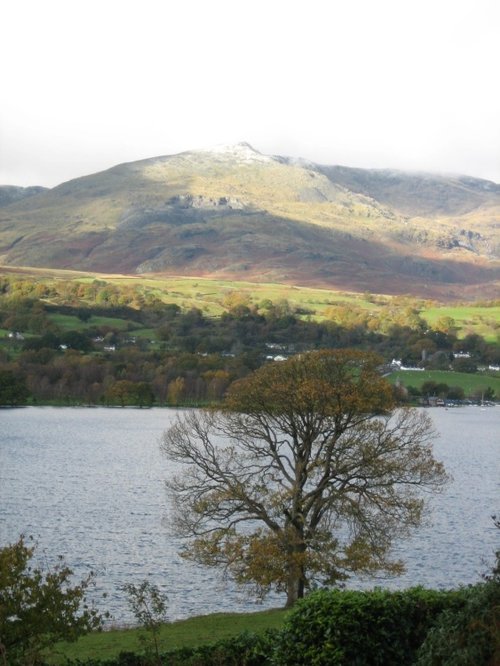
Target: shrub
[(38, 608), (244, 649), (469, 636), (149, 606), (361, 628)]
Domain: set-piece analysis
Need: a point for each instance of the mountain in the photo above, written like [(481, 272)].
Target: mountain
[(236, 213)]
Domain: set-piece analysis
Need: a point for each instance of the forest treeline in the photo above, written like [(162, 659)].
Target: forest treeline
[(99, 343)]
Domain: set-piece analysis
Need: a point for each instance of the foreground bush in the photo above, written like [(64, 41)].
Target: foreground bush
[(38, 608), (468, 637), (471, 635), (352, 628)]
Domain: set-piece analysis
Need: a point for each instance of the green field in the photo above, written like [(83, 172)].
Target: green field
[(183, 633), (71, 323), (469, 382), (484, 321)]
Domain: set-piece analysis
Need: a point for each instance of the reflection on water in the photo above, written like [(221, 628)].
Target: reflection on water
[(88, 484)]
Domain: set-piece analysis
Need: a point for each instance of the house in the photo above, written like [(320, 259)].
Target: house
[(398, 365)]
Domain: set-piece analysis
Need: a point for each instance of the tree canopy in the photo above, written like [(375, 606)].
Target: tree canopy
[(306, 473)]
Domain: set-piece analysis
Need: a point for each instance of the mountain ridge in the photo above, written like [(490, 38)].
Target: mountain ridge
[(232, 211)]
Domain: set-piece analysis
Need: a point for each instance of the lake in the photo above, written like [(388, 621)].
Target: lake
[(88, 484)]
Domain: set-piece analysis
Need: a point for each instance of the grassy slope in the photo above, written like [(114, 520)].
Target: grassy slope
[(469, 319), (208, 295), (191, 632), (205, 293)]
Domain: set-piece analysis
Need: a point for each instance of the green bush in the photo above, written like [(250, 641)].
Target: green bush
[(352, 628), (245, 649), (469, 636), (38, 607)]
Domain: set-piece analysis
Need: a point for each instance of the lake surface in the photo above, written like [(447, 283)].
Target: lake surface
[(88, 484)]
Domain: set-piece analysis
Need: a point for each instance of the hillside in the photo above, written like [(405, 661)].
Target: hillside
[(235, 213), (11, 193)]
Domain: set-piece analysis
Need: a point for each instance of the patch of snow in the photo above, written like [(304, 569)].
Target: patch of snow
[(240, 152)]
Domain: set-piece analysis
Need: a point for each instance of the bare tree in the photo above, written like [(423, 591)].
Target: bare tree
[(307, 472)]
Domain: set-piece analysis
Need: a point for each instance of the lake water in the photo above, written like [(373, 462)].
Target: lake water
[(88, 484)]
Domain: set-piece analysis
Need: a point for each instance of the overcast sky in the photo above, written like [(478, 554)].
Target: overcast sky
[(408, 84)]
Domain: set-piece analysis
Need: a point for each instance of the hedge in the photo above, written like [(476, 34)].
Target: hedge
[(354, 628)]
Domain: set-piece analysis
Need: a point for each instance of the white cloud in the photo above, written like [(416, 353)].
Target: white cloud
[(388, 83)]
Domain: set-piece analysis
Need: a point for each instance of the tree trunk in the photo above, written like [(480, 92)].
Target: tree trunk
[(296, 579), (294, 589)]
